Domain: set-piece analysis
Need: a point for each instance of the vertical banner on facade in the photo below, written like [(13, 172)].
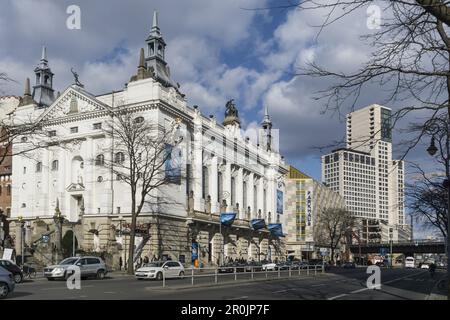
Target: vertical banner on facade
[(172, 164), (279, 202), (309, 207), (194, 252)]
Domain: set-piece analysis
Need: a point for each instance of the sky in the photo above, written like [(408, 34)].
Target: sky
[(216, 50)]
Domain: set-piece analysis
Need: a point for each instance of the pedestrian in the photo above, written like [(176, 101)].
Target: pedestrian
[(146, 260), (120, 263)]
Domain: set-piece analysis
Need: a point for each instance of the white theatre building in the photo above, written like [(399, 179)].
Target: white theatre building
[(221, 171)]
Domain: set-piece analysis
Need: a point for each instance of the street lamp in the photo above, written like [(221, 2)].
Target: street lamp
[(22, 224)]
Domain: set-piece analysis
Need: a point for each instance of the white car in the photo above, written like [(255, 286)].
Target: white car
[(424, 266), (158, 269), (269, 267)]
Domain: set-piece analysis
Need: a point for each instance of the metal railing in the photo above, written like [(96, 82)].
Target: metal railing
[(213, 276)]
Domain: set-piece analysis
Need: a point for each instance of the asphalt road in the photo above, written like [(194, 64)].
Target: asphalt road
[(396, 284)]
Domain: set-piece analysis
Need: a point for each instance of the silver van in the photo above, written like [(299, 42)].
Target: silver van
[(89, 267)]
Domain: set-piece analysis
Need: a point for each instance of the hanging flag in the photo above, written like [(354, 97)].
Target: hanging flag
[(257, 224), (276, 229), (227, 218)]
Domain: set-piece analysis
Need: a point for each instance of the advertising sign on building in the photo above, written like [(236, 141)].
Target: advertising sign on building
[(279, 202), (309, 207)]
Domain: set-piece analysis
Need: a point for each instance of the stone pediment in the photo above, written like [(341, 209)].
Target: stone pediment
[(75, 187), (74, 101)]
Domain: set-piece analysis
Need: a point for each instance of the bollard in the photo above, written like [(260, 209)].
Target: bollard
[(215, 276), (307, 270), (299, 268), (235, 274), (192, 277), (266, 272), (290, 272), (252, 272), (315, 271), (279, 272)]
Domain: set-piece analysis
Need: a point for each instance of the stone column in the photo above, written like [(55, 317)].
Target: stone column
[(213, 185), (197, 162), (250, 195), (227, 185), (261, 196), (240, 192)]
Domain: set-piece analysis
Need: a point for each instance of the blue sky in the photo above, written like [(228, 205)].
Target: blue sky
[(216, 51)]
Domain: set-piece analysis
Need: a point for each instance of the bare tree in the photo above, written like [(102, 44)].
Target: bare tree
[(427, 200), (142, 150), (334, 224)]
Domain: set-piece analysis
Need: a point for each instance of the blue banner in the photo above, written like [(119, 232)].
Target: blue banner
[(280, 202), (227, 218), (172, 164), (194, 251), (276, 229), (257, 224)]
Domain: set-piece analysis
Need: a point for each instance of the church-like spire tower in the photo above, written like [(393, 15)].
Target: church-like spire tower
[(27, 98), (266, 124), (43, 92), (155, 58)]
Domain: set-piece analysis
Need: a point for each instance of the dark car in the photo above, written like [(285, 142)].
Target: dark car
[(348, 265), (226, 268), (14, 269), (255, 266)]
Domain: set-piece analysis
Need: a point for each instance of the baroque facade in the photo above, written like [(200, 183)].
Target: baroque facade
[(220, 170)]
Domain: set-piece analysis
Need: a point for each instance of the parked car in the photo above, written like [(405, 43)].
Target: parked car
[(424, 266), (13, 268), (255, 266), (89, 267), (349, 265), (7, 283), (226, 268), (155, 270), (271, 266)]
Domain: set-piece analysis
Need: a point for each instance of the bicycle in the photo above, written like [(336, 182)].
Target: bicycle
[(29, 272)]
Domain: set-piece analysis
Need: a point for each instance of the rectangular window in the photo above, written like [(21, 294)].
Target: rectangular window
[(97, 126), (74, 130), (52, 133)]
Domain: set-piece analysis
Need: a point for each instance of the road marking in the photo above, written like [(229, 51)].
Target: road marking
[(365, 289), (359, 290), (318, 285), (337, 297), (280, 291), (110, 292), (64, 288), (239, 298)]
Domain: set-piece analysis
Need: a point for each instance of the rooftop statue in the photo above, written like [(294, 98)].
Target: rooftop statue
[(231, 109), (75, 75)]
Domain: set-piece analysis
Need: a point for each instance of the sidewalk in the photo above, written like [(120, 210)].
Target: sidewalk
[(439, 291)]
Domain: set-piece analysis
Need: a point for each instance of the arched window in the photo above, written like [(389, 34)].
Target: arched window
[(39, 166), (119, 158), (55, 165), (100, 160)]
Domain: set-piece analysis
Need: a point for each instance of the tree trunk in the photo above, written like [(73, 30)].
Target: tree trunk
[(130, 269), (332, 256)]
